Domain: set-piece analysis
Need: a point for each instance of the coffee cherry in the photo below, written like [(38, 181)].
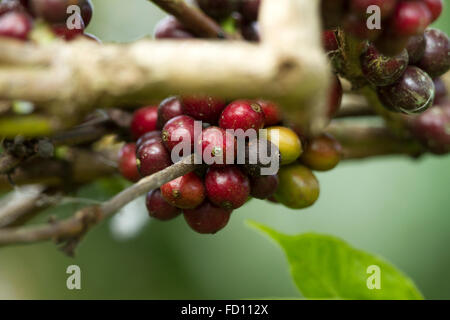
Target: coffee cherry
[(431, 128), (410, 18), (149, 137), (159, 208), (86, 11), (334, 96), (329, 40), (227, 187), (242, 114), (169, 108), (249, 9), (11, 6), (287, 142), (186, 192), (436, 59), (15, 25), (322, 153), (178, 129), (435, 7), (127, 162), (381, 70), (171, 28), (259, 154), (144, 120), (412, 93), (359, 7), (251, 32), (207, 218), (298, 187), (272, 112), (152, 157), (263, 187), (61, 31), (55, 11), (441, 94), (218, 146), (203, 108), (218, 9), (416, 48), (390, 44)]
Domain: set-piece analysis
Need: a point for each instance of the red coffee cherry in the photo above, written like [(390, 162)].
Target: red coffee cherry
[(178, 129), (263, 187), (144, 120), (410, 18), (334, 96), (169, 108), (149, 137), (15, 25), (159, 208), (242, 114), (227, 187), (329, 40), (127, 162), (435, 7), (61, 31), (186, 192), (220, 144), (204, 108), (207, 218), (272, 112), (152, 157)]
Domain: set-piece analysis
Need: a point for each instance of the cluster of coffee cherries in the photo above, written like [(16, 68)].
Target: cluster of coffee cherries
[(17, 18), (399, 20), (242, 14), (209, 194)]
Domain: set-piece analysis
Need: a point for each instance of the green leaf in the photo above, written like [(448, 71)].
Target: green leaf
[(325, 267)]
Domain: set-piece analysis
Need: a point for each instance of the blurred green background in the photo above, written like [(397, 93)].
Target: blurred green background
[(395, 207)]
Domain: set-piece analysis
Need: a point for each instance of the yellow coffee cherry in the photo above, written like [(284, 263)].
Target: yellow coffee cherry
[(287, 142)]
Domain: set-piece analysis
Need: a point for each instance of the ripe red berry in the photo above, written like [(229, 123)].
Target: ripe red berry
[(207, 218), (152, 157), (159, 208), (10, 6), (329, 40), (242, 114), (436, 59), (171, 28), (203, 108), (218, 146), (416, 48), (381, 70), (169, 108), (227, 187), (322, 153), (186, 192), (149, 137), (86, 11), (127, 162), (334, 96), (410, 18), (144, 120), (435, 7), (178, 129), (412, 93), (263, 187), (61, 31), (15, 25), (272, 112)]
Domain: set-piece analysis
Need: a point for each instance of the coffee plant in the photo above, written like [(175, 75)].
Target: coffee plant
[(229, 101)]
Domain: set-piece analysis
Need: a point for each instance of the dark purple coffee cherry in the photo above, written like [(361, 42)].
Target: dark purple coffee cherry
[(381, 70), (169, 108), (416, 48), (152, 157), (436, 59), (207, 218), (412, 93), (441, 93), (263, 187), (159, 208)]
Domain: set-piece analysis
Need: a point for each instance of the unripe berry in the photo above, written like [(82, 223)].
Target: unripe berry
[(178, 129), (171, 28), (381, 70), (152, 157), (207, 218), (242, 114), (272, 112), (287, 142), (144, 120), (227, 187), (186, 192), (298, 187), (322, 153), (204, 108), (127, 162), (219, 144), (263, 187), (15, 25), (412, 93), (159, 208), (436, 59), (169, 108)]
